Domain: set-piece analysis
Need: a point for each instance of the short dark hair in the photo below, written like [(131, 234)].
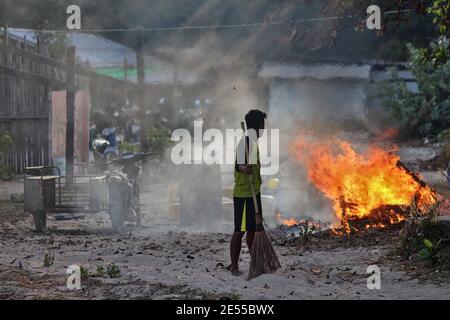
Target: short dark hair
[(254, 118)]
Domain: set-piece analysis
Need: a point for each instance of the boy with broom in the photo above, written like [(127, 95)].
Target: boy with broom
[(247, 201)]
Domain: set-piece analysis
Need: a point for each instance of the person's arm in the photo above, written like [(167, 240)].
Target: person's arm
[(243, 168)]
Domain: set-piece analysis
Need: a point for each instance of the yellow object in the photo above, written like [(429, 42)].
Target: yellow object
[(273, 183), (244, 219)]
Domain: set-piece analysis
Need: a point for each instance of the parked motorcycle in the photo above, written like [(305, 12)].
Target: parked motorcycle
[(103, 153), (123, 189)]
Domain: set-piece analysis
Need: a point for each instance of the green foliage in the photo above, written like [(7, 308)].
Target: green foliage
[(112, 270), (6, 142), (50, 14), (158, 139), (439, 52), (101, 271), (49, 259), (421, 233), (444, 136), (429, 251), (84, 273), (427, 112), (441, 10), (56, 44), (125, 147)]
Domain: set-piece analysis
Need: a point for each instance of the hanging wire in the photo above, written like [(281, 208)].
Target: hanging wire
[(204, 27)]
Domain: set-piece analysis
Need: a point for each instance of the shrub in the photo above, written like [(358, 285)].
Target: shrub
[(6, 142), (158, 139)]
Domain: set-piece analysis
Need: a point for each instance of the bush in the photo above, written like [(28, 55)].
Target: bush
[(6, 142), (125, 147), (425, 113), (158, 139), (422, 234)]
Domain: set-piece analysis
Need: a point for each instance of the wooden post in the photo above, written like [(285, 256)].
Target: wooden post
[(40, 40), (141, 92), (125, 69), (70, 107), (6, 35), (176, 90)]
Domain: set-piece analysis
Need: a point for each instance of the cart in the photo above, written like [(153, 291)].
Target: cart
[(46, 191)]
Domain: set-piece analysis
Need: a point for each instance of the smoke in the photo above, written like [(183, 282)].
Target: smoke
[(200, 195), (319, 97), (221, 70)]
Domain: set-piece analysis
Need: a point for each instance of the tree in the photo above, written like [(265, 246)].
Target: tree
[(439, 51), (327, 38), (425, 113)]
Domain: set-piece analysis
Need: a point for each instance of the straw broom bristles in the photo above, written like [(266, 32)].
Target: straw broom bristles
[(263, 256)]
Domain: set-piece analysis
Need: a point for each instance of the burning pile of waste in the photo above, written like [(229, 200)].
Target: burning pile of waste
[(370, 189), (291, 231)]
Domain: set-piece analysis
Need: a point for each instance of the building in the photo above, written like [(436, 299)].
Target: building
[(321, 92)]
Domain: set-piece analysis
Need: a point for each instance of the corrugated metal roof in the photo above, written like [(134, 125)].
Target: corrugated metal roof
[(23, 33), (316, 71), (107, 57)]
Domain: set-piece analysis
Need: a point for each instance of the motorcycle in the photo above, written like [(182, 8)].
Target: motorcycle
[(123, 189), (103, 152)]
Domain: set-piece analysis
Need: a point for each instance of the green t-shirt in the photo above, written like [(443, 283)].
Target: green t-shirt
[(242, 185)]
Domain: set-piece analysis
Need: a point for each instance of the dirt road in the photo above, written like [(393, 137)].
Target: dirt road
[(159, 261)]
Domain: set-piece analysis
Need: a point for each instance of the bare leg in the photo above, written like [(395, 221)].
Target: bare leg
[(235, 250), (250, 236)]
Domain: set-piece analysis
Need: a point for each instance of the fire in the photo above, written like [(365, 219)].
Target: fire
[(359, 184), (290, 222), (317, 225), (287, 222)]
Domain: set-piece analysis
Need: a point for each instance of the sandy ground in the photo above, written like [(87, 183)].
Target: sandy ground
[(161, 261)]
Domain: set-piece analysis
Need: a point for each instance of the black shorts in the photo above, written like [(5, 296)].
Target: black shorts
[(244, 213)]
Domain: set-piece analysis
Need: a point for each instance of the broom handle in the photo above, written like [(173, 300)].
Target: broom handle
[(255, 202)]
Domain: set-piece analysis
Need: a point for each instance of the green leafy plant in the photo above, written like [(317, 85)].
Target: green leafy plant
[(429, 251), (49, 259), (56, 44), (158, 139), (112, 270), (439, 51), (125, 147), (84, 273), (100, 272), (6, 142), (425, 113), (422, 233), (444, 136)]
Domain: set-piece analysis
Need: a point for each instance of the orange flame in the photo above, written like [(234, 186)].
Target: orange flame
[(286, 222), (358, 183), (290, 222)]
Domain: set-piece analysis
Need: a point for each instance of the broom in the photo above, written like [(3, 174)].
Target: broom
[(263, 257)]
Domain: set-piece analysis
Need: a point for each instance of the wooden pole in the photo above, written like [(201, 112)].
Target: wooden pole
[(6, 35), (176, 89), (141, 92), (70, 105), (125, 69)]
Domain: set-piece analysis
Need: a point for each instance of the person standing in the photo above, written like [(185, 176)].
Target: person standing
[(244, 208)]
